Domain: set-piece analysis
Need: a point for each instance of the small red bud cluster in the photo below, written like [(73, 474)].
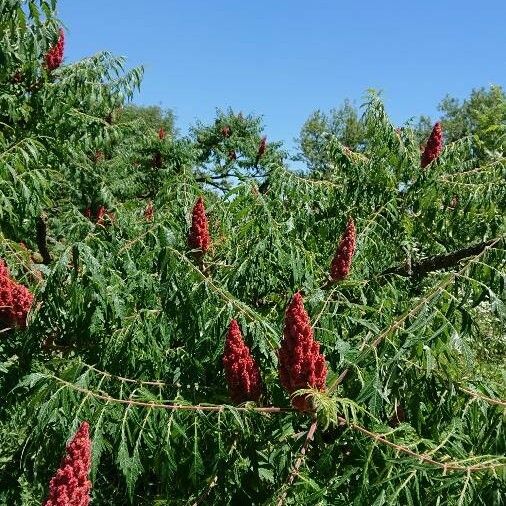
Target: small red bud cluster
[(241, 370), (70, 486), (301, 365), (100, 215), (434, 146), (262, 146), (98, 156), (198, 237), (149, 211), (341, 263), (17, 77), (54, 56), (157, 161), (15, 299), (261, 149), (161, 133)]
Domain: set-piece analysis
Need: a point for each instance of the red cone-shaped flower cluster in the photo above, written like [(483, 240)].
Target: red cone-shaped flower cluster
[(199, 237), (225, 131), (161, 133), (241, 370), (262, 146), (232, 155), (54, 56), (100, 215), (341, 263), (261, 149), (149, 212), (70, 485), (434, 145), (301, 365), (15, 299)]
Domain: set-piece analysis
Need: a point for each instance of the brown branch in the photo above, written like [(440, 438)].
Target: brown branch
[(170, 407), (159, 383), (41, 230), (478, 395), (422, 457), (202, 497), (445, 465), (439, 262), (298, 462)]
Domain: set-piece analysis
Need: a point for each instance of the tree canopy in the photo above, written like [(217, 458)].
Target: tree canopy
[(480, 118), (365, 364)]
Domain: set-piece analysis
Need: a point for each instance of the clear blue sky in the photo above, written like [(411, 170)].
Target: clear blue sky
[(283, 59)]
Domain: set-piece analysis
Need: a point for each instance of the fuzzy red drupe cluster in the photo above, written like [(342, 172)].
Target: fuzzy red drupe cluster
[(15, 299), (301, 365), (225, 131), (70, 486), (198, 237), (341, 263), (161, 133), (54, 56), (241, 370), (434, 146)]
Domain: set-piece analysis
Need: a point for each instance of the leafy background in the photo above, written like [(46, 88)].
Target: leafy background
[(127, 332)]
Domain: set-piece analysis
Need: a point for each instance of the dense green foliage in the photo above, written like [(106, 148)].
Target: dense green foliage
[(128, 329)]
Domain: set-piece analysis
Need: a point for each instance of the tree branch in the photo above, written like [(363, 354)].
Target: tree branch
[(298, 462), (41, 229), (436, 263)]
